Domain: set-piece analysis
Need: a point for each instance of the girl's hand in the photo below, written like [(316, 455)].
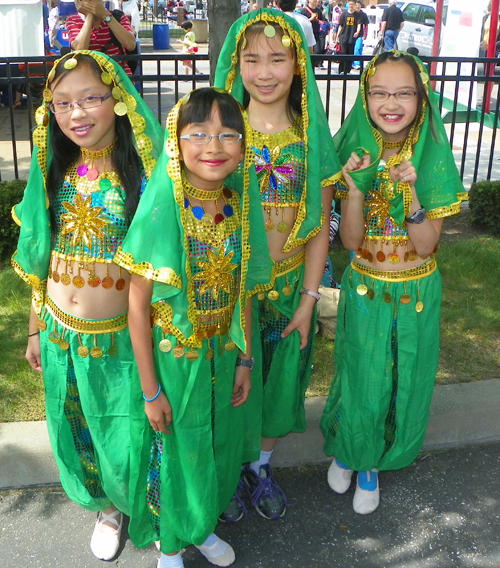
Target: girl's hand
[(33, 353), (405, 173), (241, 385), (354, 163), (301, 321), (159, 413)]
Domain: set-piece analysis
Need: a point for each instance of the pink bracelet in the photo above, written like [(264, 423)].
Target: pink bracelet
[(315, 295)]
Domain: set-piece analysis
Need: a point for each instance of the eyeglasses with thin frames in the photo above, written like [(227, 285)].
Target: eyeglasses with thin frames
[(404, 96), (84, 103), (203, 138)]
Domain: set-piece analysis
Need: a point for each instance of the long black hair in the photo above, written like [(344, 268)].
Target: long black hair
[(65, 152)]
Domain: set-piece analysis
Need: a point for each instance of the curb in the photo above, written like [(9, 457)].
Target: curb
[(461, 415)]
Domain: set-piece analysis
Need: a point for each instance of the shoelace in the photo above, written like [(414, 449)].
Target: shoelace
[(268, 488), (241, 489)]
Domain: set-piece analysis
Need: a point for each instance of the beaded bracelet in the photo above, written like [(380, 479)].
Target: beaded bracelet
[(32, 334), (155, 396)]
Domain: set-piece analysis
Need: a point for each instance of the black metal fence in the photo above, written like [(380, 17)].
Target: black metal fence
[(469, 93)]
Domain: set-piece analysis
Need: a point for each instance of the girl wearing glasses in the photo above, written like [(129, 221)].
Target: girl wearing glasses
[(399, 182), (95, 147), (188, 249)]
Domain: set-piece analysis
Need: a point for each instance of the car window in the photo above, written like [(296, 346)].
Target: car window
[(427, 13), (410, 13)]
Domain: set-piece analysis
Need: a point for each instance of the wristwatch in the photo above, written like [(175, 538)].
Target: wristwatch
[(107, 19), (245, 362), (417, 217)]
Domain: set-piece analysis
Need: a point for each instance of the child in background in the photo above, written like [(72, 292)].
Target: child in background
[(95, 146), (194, 255), (189, 46), (266, 66), (399, 181)]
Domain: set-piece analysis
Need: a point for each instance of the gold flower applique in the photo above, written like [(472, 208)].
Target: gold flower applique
[(81, 219), (379, 208), (215, 272)]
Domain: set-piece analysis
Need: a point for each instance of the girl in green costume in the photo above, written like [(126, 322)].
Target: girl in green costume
[(194, 261), (95, 147), (265, 65), (399, 182)]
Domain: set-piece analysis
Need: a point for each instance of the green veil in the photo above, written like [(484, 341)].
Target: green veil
[(31, 259), (322, 164), (438, 184), (155, 246)]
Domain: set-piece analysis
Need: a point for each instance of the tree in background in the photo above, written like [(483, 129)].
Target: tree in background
[(221, 15)]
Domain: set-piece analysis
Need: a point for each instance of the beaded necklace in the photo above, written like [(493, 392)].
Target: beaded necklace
[(90, 174), (203, 195)]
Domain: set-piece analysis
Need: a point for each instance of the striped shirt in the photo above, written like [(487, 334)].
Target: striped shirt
[(99, 37)]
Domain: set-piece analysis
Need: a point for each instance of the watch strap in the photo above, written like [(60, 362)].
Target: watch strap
[(245, 362)]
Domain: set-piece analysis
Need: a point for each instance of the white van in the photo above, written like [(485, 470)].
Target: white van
[(418, 29)]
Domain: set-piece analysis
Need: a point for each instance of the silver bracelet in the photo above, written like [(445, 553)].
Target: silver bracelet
[(315, 295)]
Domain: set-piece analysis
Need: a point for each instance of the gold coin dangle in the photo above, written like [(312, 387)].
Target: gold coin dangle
[(273, 295), (165, 346), (178, 351), (42, 326), (192, 355)]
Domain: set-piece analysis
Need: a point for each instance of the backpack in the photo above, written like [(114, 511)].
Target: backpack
[(324, 27), (132, 63)]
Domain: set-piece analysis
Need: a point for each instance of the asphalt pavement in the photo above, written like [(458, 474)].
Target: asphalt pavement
[(443, 511)]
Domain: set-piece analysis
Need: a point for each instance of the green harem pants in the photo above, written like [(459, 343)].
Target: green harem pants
[(284, 367), (385, 357), (181, 482), (87, 405)]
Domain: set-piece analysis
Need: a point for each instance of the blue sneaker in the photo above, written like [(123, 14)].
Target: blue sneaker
[(267, 496)]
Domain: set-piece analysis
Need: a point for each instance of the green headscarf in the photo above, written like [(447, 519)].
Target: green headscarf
[(322, 164), (31, 259), (438, 183), (156, 244)]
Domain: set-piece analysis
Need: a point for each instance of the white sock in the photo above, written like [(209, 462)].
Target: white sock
[(174, 561), (263, 460), (213, 547)]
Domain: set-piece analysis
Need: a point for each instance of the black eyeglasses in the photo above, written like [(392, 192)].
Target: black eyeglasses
[(85, 103), (203, 138)]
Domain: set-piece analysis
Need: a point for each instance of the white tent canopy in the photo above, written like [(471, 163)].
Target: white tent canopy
[(21, 28)]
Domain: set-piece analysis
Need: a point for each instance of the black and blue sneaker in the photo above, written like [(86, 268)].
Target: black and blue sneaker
[(236, 508), (267, 496)]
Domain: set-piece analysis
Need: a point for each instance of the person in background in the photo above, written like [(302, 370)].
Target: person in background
[(314, 14), (131, 10), (392, 23), (90, 29), (189, 46), (358, 45), (53, 23), (288, 7), (348, 31)]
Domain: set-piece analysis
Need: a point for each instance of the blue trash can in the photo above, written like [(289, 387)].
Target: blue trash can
[(161, 36)]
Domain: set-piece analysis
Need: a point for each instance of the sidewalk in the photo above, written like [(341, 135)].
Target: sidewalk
[(461, 415)]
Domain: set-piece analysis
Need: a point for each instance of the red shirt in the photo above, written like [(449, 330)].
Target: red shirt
[(99, 37)]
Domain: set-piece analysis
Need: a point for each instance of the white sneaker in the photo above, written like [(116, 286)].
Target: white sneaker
[(366, 499), (105, 541), (339, 478), (220, 553)]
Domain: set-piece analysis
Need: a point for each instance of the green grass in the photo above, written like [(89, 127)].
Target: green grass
[(470, 314), (470, 327), (21, 389)]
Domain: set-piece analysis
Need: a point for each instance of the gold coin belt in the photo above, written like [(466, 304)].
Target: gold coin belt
[(79, 325), (392, 276)]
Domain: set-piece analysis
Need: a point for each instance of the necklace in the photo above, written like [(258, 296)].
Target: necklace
[(203, 195), (91, 173), (392, 145)]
